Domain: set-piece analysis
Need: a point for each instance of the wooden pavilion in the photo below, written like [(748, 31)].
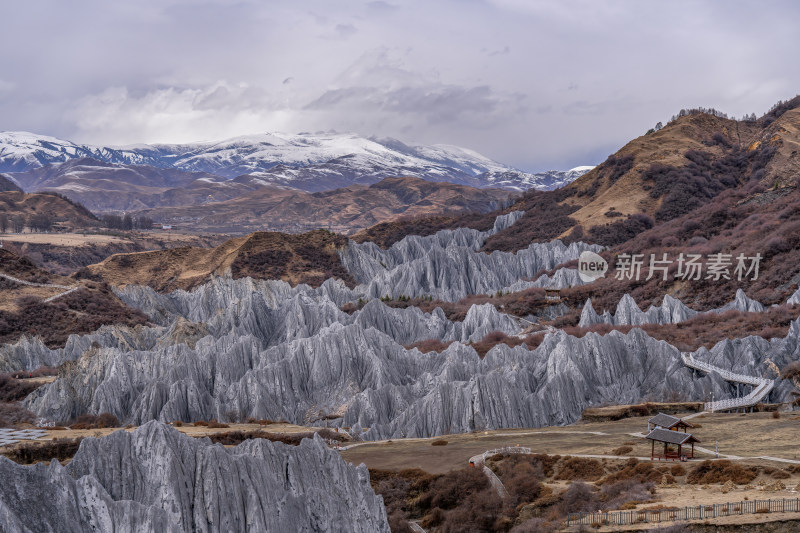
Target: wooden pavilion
[(665, 421), (671, 438)]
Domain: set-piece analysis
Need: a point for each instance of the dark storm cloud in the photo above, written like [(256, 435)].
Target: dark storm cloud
[(531, 83)]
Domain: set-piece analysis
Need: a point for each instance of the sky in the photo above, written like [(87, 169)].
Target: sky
[(536, 85)]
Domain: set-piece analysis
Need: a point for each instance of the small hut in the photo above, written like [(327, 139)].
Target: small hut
[(665, 421), (552, 295), (674, 442)]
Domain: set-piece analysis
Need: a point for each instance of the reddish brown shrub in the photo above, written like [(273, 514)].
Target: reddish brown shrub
[(14, 390), (781, 474), (13, 414), (581, 468), (439, 442), (579, 498), (625, 492), (430, 345), (479, 512), (42, 371), (103, 420), (632, 469), (60, 449), (82, 311), (492, 339), (791, 371), (522, 483), (709, 472), (677, 470)]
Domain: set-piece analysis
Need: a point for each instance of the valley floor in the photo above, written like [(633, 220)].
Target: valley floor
[(750, 437), (752, 440)]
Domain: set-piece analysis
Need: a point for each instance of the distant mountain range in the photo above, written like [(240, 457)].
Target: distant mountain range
[(308, 162)]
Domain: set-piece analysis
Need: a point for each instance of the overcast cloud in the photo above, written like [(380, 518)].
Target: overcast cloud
[(537, 85)]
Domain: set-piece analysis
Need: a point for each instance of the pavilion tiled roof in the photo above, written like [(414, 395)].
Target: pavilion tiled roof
[(667, 421), (671, 437)]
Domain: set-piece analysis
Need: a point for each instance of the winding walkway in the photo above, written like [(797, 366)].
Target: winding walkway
[(67, 289), (762, 386)]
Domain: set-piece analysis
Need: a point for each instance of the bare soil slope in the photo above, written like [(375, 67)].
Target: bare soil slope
[(23, 311), (64, 212), (306, 258)]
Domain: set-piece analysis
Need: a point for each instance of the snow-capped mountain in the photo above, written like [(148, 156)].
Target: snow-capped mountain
[(522, 181), (306, 161)]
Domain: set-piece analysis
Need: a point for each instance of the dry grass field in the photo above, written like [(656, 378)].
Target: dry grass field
[(750, 435), (188, 429), (62, 239)]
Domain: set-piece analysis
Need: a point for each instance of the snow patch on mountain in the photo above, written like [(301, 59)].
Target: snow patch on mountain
[(318, 161)]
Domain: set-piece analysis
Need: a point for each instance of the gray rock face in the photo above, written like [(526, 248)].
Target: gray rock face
[(156, 479), (234, 349), (448, 266), (671, 311), (563, 278), (794, 299), (218, 295), (453, 272), (741, 303), (31, 353), (246, 309), (365, 376), (514, 387)]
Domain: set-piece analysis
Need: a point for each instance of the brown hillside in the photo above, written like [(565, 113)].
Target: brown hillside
[(344, 210), (386, 234), (65, 213), (296, 258), (618, 184), (23, 312), (661, 176)]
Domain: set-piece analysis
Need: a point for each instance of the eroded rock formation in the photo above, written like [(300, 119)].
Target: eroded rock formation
[(157, 479)]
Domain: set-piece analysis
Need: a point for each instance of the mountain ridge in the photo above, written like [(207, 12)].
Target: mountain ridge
[(310, 162)]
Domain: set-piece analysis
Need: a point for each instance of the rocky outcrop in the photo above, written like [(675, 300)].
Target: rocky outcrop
[(228, 308), (365, 376), (407, 326), (563, 278), (448, 266), (242, 348), (743, 303), (218, 295), (157, 479), (514, 387), (794, 299), (31, 353), (453, 272), (671, 311)]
